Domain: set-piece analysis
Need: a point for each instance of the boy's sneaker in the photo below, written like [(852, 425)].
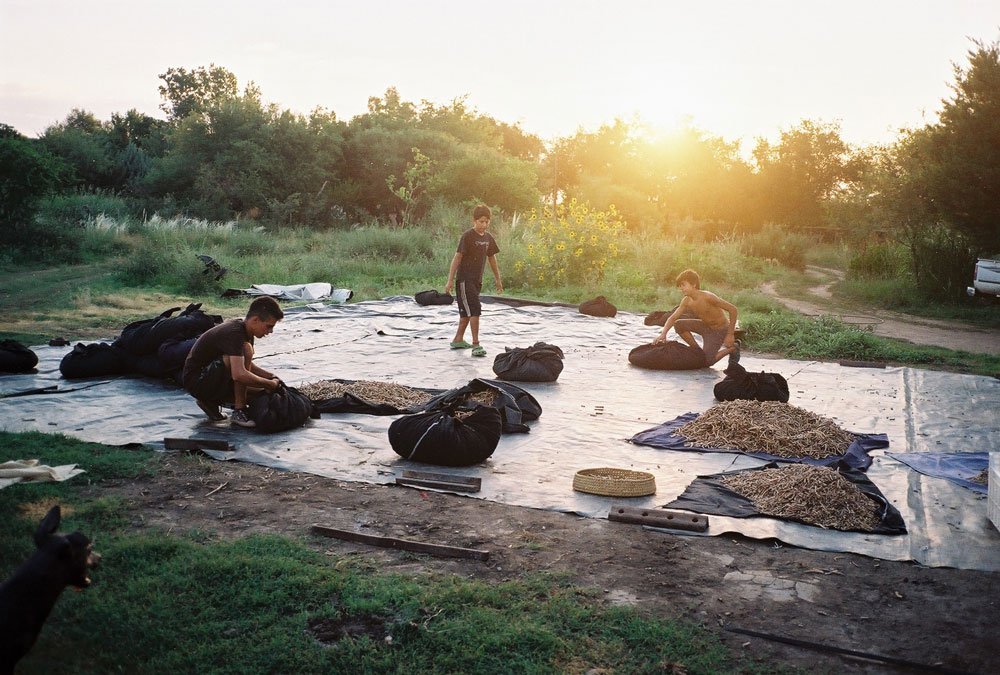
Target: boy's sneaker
[(241, 419), (734, 356)]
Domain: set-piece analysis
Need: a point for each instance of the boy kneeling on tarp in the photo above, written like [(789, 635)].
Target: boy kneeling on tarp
[(219, 369), (718, 333)]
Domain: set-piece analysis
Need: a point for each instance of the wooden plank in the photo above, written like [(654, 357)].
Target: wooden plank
[(436, 484), (675, 520), (401, 544), (197, 444), (440, 481)]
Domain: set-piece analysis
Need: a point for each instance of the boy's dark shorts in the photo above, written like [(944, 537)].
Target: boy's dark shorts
[(467, 296), (214, 384)]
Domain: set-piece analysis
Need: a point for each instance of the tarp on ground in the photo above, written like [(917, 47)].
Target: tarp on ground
[(599, 402), (958, 467), (314, 291), (666, 436)]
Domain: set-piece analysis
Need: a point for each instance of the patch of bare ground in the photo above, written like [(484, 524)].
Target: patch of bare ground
[(917, 330), (893, 609)]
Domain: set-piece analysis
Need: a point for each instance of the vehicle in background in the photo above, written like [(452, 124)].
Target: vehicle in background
[(986, 280)]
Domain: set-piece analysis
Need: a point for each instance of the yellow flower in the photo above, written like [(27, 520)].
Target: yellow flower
[(578, 252), (560, 246)]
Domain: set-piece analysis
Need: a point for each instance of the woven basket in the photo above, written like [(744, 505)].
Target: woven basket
[(614, 482)]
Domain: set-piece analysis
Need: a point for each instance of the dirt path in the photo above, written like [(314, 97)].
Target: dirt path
[(921, 331), (924, 615)]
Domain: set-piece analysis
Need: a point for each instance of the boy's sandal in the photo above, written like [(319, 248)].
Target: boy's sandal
[(478, 351), (461, 344)]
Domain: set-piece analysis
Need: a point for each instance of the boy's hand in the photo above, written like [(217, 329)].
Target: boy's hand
[(447, 287), (658, 339), (499, 287)]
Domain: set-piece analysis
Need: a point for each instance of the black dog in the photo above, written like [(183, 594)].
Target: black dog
[(27, 597)]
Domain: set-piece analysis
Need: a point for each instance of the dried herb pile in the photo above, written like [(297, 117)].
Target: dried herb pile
[(774, 428), (983, 477), (372, 391), (812, 494)]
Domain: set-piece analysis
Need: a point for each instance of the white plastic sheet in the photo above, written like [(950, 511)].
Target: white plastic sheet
[(599, 401)]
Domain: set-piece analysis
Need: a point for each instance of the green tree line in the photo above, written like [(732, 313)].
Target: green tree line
[(221, 153)]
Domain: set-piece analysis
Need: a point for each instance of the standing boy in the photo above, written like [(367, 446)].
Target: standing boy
[(219, 369), (717, 333), (475, 249)]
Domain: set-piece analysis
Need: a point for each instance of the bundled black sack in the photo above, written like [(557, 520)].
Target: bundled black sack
[(739, 384), (439, 437), (167, 361), (144, 337), (668, 356), (539, 363), (286, 408), (16, 358), (599, 306), (516, 406), (98, 359), (432, 297)]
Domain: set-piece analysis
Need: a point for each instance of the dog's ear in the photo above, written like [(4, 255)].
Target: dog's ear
[(48, 526)]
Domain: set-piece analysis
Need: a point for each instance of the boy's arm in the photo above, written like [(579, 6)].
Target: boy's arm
[(678, 313), (239, 373), (496, 272), (452, 271), (733, 313)]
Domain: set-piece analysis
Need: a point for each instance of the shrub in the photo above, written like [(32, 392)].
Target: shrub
[(880, 261), (82, 207), (388, 243), (774, 242), (570, 243)]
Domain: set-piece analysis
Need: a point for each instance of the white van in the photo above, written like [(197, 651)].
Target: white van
[(986, 280)]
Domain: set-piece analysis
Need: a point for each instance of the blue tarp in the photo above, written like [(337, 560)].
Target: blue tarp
[(958, 467)]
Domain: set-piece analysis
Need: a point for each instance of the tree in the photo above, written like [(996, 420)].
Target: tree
[(27, 173), (193, 91), (805, 167), (961, 155)]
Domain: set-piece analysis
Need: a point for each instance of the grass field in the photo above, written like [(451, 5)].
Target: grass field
[(185, 601)]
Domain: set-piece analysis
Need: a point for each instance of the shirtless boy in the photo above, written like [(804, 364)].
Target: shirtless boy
[(717, 332)]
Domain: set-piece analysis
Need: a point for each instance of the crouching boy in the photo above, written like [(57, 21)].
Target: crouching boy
[(219, 369)]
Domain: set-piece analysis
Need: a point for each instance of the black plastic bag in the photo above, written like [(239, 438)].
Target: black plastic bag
[(599, 306), (432, 297), (516, 406), (668, 356), (739, 384), (539, 363), (439, 437), (280, 410), (143, 337), (98, 359), (16, 358)]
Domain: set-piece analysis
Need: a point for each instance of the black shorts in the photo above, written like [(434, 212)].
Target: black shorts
[(467, 295), (214, 384)]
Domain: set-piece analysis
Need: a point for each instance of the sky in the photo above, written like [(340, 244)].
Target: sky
[(736, 69)]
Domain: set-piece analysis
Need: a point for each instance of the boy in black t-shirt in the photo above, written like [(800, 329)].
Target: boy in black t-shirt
[(475, 249), (219, 369)]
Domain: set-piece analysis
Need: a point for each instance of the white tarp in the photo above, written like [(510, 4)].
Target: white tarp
[(313, 291), (599, 401)]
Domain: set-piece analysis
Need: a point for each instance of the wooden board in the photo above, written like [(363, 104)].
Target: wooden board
[(197, 444), (675, 520), (401, 544), (440, 481)]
